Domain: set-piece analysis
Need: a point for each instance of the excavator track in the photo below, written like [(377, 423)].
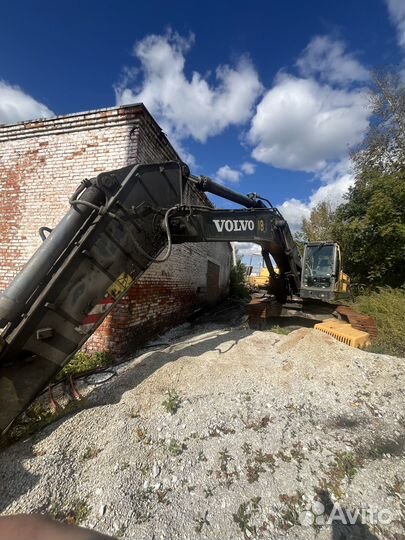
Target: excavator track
[(365, 323)]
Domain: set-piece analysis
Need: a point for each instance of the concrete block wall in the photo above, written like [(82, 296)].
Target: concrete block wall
[(42, 162)]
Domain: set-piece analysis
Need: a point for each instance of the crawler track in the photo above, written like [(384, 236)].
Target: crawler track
[(358, 320)]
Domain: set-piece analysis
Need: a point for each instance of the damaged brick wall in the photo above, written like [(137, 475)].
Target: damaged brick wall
[(42, 162)]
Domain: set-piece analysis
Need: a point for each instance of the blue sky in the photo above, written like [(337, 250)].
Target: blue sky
[(266, 96)]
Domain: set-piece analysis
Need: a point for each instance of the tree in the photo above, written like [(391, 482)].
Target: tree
[(370, 224), (319, 226), (384, 146)]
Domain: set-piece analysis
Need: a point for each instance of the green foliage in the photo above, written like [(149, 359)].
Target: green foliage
[(176, 448), (172, 403), (387, 307), (237, 281), (320, 225), (83, 361), (277, 329), (74, 513), (370, 226)]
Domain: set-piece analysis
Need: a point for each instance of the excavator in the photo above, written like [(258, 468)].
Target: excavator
[(118, 224)]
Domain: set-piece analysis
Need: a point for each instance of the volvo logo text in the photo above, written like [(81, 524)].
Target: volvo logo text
[(234, 225)]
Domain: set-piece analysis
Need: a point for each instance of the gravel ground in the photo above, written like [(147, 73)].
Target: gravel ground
[(226, 433)]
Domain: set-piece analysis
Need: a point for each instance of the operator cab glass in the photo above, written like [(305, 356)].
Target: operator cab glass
[(319, 270)]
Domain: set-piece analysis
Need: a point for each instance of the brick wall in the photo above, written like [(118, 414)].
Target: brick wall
[(41, 164)]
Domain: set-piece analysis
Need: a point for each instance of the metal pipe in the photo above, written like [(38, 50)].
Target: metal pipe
[(204, 183), (14, 299)]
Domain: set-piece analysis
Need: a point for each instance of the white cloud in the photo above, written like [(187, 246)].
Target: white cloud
[(326, 58), (189, 106), (16, 105), (248, 168), (300, 124), (335, 179), (294, 211), (227, 173), (396, 10), (246, 249)]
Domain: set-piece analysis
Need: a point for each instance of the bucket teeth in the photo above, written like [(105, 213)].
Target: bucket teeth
[(344, 332)]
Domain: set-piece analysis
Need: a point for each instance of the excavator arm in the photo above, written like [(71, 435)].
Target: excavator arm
[(119, 223)]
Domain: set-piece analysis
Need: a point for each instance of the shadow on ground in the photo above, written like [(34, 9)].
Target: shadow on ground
[(342, 528), (16, 480)]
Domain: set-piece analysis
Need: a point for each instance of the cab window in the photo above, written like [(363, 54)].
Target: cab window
[(319, 266)]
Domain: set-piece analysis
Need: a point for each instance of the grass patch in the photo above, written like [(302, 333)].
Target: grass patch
[(74, 514), (343, 469), (277, 329), (82, 362), (387, 307), (37, 417)]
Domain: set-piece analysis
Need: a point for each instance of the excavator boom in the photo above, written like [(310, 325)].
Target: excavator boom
[(119, 223)]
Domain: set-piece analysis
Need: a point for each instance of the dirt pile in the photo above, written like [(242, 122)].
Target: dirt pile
[(226, 433)]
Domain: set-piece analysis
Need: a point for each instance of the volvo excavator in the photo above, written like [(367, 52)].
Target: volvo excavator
[(118, 224)]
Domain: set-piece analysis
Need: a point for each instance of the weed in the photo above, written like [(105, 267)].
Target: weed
[(219, 429), (202, 456), (257, 424), (75, 514), (36, 418), (200, 522), (90, 453), (253, 470), (266, 459), (277, 329), (387, 307), (244, 515), (83, 361), (344, 467), (161, 495), (224, 459), (247, 448), (226, 476), (347, 464), (176, 448), (283, 456), (142, 436), (121, 531), (297, 453), (292, 506), (172, 403), (397, 489), (208, 492)]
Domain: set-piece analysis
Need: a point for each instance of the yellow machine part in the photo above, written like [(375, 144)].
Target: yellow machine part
[(262, 280), (344, 332)]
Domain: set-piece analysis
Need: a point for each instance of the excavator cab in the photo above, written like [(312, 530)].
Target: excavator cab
[(322, 276)]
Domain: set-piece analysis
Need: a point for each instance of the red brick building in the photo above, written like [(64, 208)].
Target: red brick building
[(42, 162)]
